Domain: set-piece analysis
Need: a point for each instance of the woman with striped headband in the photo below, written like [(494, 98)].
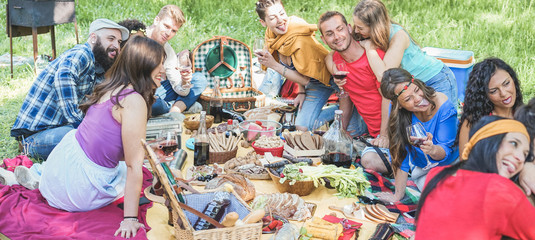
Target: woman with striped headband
[(475, 199), (413, 102)]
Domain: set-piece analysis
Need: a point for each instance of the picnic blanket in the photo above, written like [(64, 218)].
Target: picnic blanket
[(25, 214), (404, 226)]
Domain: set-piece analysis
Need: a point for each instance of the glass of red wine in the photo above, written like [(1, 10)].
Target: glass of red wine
[(417, 135), (168, 143), (320, 127), (340, 72)]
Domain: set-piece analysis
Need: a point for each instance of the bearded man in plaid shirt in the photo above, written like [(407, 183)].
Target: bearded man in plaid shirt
[(50, 109)]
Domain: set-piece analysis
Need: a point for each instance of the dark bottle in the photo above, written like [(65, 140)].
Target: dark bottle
[(215, 209), (230, 114), (338, 144), (201, 154), (216, 102)]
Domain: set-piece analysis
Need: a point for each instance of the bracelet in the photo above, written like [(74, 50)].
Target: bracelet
[(284, 72), (133, 218), (301, 93)]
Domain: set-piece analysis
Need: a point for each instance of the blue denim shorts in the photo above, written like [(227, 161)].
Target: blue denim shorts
[(445, 82)]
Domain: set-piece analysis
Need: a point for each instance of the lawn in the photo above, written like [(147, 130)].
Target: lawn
[(499, 28)]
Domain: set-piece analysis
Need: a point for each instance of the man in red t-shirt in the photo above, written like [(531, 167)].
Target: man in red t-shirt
[(361, 84)]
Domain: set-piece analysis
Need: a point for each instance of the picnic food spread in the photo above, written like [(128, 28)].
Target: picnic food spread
[(292, 179)]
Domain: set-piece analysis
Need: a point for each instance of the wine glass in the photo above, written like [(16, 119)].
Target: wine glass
[(320, 127), (168, 143), (340, 72), (185, 67), (258, 46), (417, 135), (259, 49)]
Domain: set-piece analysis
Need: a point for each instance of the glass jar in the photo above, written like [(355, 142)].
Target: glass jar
[(338, 144)]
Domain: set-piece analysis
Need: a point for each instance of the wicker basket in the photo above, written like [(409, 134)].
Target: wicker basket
[(194, 125), (301, 188), (182, 219), (198, 201), (221, 157)]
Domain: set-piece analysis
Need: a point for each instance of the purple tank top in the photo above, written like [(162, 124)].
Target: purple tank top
[(99, 134)]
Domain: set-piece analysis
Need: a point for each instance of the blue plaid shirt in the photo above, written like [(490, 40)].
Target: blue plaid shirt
[(55, 94)]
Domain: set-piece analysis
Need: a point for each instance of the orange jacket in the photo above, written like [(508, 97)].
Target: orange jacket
[(308, 55)]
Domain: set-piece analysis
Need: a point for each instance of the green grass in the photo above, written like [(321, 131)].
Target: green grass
[(500, 28)]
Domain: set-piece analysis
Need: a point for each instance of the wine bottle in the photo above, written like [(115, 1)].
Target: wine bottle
[(215, 209), (216, 102), (201, 146), (230, 114)]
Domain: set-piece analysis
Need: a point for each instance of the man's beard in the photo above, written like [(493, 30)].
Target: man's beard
[(101, 54)]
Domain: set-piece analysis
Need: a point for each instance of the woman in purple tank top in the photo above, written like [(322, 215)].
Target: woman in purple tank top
[(102, 160)]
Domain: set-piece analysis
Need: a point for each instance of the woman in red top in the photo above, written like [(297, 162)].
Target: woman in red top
[(475, 199)]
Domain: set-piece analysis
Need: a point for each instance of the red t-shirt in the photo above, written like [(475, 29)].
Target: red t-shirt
[(475, 205), (363, 89)]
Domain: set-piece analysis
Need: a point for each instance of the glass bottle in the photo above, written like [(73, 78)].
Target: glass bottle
[(216, 102), (338, 144), (215, 209), (200, 154)]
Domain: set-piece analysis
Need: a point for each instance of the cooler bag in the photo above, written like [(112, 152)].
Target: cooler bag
[(230, 60)]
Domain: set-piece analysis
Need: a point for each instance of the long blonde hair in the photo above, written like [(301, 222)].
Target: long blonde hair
[(373, 13)]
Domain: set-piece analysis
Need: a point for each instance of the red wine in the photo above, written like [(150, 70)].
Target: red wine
[(169, 147), (217, 113), (319, 132), (418, 142), (338, 159), (340, 75), (290, 128), (200, 154)]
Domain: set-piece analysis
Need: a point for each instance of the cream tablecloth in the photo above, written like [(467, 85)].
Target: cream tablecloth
[(157, 216)]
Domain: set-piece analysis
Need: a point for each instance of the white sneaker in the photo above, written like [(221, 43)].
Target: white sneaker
[(26, 178), (195, 108), (7, 177)]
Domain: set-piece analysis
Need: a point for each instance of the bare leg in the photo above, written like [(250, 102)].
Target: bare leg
[(372, 160)]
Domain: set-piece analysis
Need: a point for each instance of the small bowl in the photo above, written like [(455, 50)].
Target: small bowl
[(276, 152), (301, 188), (251, 134), (194, 125)]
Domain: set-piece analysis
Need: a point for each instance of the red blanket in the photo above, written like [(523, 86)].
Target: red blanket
[(25, 214)]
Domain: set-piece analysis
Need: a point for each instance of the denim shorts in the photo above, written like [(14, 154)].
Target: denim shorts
[(445, 82), (371, 149)]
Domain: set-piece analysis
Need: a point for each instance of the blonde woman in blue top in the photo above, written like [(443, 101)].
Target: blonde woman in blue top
[(375, 30)]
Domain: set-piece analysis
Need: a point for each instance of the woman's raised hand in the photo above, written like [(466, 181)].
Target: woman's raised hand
[(265, 58), (427, 146)]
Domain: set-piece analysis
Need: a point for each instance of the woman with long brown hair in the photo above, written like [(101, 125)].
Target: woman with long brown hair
[(375, 30), (102, 160), (414, 102)]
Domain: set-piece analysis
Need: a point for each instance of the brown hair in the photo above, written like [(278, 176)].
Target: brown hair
[(173, 12), (134, 65), (399, 117), (374, 14), (261, 6), (328, 15)]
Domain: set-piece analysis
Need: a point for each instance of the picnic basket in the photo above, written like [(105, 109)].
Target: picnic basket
[(230, 60), (183, 215)]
